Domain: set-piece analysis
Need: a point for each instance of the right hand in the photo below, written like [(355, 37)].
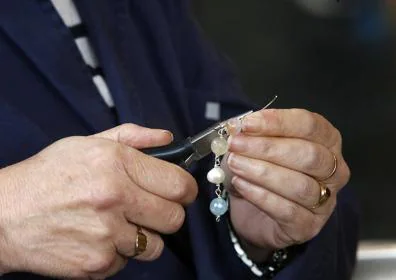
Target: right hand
[(71, 210)]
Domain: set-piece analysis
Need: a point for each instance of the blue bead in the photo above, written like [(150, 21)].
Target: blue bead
[(218, 206)]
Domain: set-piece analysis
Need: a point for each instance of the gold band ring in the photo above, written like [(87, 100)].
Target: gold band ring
[(140, 242), (324, 195), (333, 171)]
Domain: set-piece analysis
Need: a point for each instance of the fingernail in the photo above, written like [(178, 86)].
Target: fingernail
[(239, 184), (237, 162), (234, 180), (169, 133), (230, 159), (235, 126), (232, 189), (229, 141), (237, 144), (251, 124)]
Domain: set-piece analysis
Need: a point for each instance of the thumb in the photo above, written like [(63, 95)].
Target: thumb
[(136, 136)]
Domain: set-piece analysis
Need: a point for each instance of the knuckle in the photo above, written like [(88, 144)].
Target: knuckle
[(309, 121), (300, 113), (313, 229), (313, 158), (103, 155), (179, 191), (123, 130), (107, 198), (261, 170), (184, 187), (332, 135), (127, 250), (265, 196), (105, 194), (175, 218), (126, 127), (337, 135), (100, 263), (307, 190), (310, 128), (105, 234), (66, 143), (345, 173), (290, 213)]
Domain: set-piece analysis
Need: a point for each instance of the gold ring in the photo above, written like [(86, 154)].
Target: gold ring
[(324, 195), (333, 171), (140, 242)]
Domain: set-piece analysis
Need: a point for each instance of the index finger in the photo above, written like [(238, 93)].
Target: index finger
[(292, 123), (159, 177)]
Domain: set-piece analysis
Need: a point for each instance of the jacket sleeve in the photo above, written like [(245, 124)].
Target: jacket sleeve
[(208, 75)]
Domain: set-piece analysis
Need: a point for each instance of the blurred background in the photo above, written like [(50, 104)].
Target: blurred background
[(332, 57)]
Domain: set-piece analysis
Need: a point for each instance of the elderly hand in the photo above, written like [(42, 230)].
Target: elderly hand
[(72, 210), (278, 162)]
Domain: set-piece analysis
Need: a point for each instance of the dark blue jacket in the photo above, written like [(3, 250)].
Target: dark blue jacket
[(161, 74)]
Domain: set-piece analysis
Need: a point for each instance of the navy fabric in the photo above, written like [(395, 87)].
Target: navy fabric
[(161, 74)]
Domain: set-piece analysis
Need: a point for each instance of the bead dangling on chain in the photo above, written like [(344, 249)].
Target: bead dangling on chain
[(216, 175), (219, 146)]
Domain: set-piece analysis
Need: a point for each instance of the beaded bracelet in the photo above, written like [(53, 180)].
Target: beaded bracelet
[(279, 259)]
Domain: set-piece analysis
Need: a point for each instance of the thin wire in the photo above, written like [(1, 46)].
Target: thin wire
[(272, 101)]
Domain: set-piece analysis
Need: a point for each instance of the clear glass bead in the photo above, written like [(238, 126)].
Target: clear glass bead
[(218, 206), (219, 146), (216, 175)]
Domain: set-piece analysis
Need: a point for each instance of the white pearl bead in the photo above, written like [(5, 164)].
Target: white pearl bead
[(219, 146), (216, 175)]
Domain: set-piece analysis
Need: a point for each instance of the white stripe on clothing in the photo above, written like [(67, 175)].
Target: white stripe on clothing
[(70, 17)]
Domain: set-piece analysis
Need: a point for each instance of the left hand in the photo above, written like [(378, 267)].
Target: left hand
[(278, 162)]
